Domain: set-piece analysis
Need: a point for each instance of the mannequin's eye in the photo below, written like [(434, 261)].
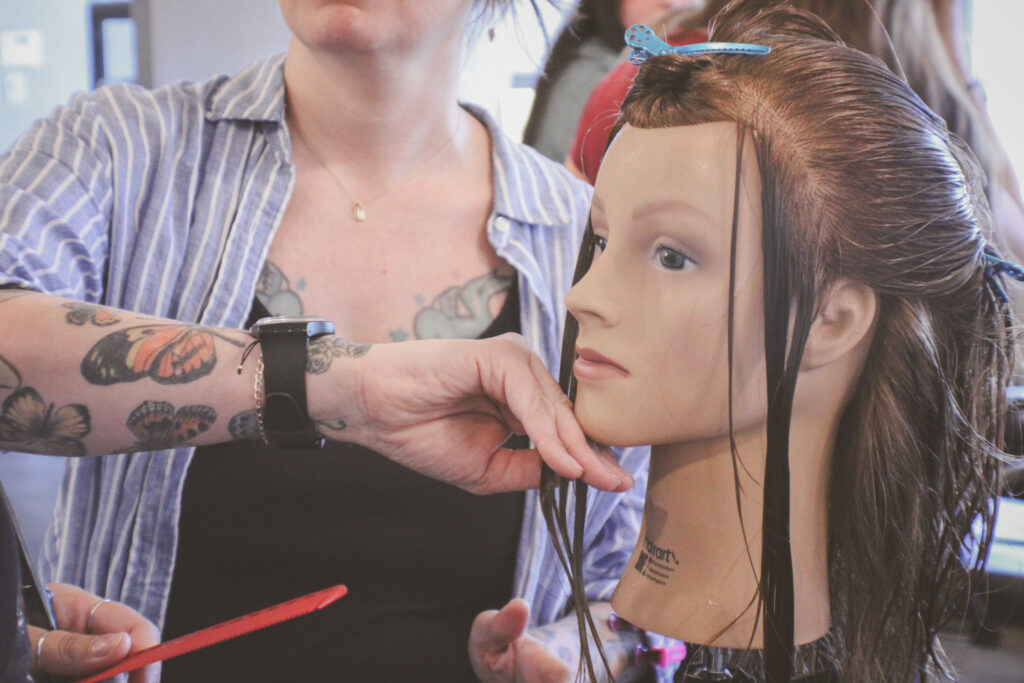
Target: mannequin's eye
[(672, 259), (601, 243)]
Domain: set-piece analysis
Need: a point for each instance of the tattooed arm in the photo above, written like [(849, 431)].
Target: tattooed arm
[(77, 379), (502, 650)]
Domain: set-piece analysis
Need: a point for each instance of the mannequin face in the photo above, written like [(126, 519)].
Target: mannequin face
[(653, 308)]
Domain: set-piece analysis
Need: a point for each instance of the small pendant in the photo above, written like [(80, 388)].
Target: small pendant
[(359, 212)]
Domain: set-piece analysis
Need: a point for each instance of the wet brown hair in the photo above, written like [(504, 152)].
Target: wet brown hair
[(860, 180), (907, 36)]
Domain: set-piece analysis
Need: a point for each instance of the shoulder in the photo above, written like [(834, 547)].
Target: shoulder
[(254, 93), (123, 109), (95, 129), (128, 115)]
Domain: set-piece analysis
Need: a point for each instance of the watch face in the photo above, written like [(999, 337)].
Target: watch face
[(310, 326)]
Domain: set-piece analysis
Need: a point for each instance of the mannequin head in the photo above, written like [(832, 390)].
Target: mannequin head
[(863, 220)]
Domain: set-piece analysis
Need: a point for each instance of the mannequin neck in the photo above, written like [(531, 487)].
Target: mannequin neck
[(694, 573)]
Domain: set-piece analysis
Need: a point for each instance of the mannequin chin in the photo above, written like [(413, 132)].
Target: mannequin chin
[(653, 368)]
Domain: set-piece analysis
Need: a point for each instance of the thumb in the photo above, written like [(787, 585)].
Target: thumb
[(75, 654), (494, 631)]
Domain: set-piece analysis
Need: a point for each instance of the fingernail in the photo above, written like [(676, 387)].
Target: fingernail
[(103, 646)]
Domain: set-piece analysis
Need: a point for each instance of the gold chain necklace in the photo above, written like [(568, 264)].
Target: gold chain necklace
[(359, 206)]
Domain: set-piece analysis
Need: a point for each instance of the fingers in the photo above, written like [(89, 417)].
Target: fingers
[(80, 612), (535, 399), (75, 654), (601, 470), (519, 469), (113, 616), (508, 470), (492, 639), (494, 631), (539, 664), (560, 439)]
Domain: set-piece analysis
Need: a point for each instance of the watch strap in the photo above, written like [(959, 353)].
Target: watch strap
[(285, 413)]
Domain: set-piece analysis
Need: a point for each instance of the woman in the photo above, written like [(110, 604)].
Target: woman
[(789, 288), (343, 180)]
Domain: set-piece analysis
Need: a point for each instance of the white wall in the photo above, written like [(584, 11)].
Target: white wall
[(494, 68), (46, 59)]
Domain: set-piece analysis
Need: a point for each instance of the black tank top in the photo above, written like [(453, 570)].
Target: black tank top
[(260, 525)]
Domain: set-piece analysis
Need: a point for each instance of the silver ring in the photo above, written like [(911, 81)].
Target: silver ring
[(39, 649), (92, 613)]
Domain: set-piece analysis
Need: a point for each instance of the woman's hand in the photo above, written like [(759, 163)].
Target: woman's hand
[(93, 635), (445, 407), (501, 651)]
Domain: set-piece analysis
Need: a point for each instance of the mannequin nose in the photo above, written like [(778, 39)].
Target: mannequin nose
[(593, 298)]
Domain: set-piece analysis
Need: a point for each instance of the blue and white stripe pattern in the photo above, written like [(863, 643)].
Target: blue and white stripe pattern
[(166, 202)]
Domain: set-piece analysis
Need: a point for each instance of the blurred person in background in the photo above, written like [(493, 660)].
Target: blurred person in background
[(588, 47), (600, 111)]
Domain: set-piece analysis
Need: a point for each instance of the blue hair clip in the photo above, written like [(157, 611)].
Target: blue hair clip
[(994, 267), (644, 43)]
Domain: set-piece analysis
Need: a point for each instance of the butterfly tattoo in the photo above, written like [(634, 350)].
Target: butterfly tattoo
[(27, 423), (80, 314), (245, 425), (168, 354), (156, 424)]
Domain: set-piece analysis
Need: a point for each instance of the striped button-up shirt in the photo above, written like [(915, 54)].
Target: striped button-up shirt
[(166, 202)]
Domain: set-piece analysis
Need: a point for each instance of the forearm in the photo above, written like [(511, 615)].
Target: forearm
[(78, 379), (562, 637), (85, 380)]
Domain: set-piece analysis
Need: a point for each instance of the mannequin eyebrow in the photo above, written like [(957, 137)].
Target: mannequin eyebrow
[(662, 205)]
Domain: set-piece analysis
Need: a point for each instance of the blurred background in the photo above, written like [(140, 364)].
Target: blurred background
[(50, 49)]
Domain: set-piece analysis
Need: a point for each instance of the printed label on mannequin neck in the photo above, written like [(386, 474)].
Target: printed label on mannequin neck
[(656, 563)]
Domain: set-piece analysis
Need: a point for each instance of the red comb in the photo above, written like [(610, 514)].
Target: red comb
[(222, 631)]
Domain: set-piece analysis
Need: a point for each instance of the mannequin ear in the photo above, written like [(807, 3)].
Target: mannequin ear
[(847, 318)]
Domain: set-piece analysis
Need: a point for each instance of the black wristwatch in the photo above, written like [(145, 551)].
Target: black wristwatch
[(283, 341)]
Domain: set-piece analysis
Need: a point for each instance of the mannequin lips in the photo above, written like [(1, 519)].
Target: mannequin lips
[(592, 365)]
